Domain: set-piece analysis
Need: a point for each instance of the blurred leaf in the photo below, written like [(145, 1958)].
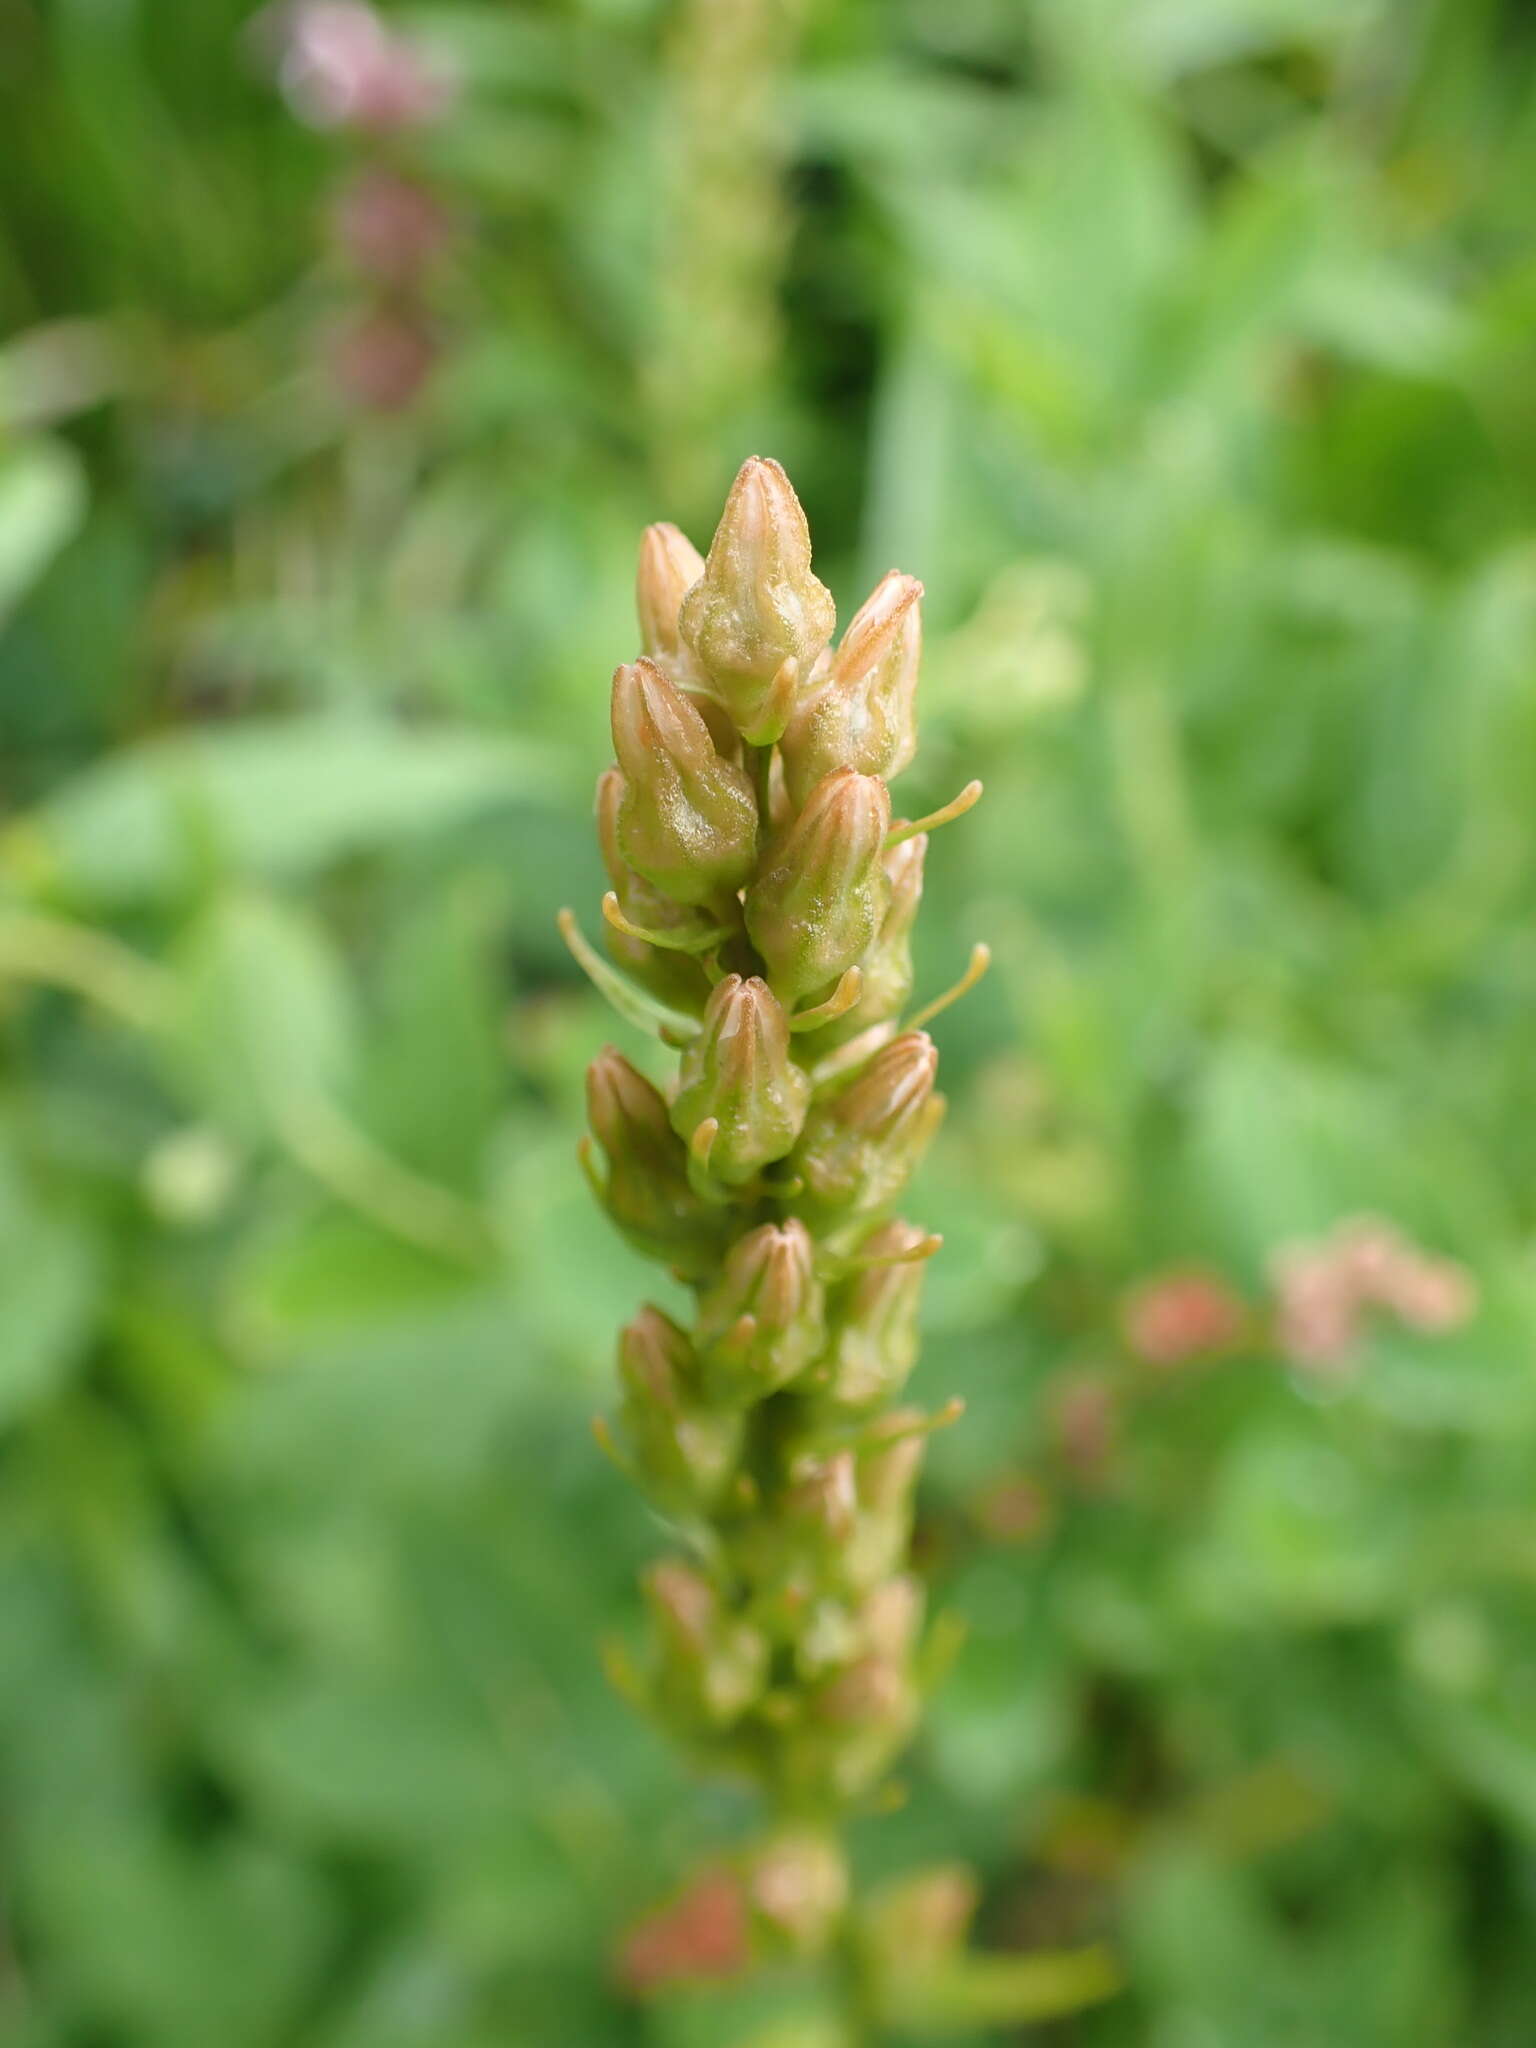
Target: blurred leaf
[(43, 495), (277, 801)]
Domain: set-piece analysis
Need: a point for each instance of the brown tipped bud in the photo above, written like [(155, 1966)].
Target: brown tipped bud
[(687, 819), (647, 1192), (762, 1323), (714, 1666), (918, 1924), (758, 606), (675, 976), (859, 1146), (669, 567), (687, 1454), (887, 965), (738, 1075), (864, 716), (887, 1482), (823, 890), (875, 1319)]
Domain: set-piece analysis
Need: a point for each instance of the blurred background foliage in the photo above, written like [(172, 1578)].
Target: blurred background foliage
[(1186, 349)]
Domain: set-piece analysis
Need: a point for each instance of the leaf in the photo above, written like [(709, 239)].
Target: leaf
[(278, 800), (262, 1014), (1002, 1990), (42, 501), (49, 1286)]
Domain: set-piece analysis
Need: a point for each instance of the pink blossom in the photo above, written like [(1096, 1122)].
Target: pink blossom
[(341, 66), (1182, 1314)]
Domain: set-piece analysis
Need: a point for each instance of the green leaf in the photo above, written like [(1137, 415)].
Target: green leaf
[(262, 1014), (277, 800), (42, 501), (50, 1282)]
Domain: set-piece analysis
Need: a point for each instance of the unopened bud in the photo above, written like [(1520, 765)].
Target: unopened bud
[(686, 1453), (887, 1483), (758, 606), (647, 1191), (795, 1541), (714, 1666), (875, 1318), (823, 889), (762, 1323), (920, 1922), (886, 966), (863, 717), (737, 1075), (674, 975), (798, 1886), (858, 1147), (687, 819), (669, 567)]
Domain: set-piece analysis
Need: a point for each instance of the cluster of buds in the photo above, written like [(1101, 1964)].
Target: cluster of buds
[(343, 69), (759, 923)]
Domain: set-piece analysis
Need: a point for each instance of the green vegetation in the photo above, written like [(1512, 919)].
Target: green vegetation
[(1184, 349)]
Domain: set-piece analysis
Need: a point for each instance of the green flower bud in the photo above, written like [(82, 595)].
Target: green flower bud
[(859, 1145), (863, 716), (918, 1924), (790, 1547), (714, 1666), (686, 1453), (676, 977), (822, 891), (687, 818), (762, 1323), (737, 1076), (647, 1192), (854, 1721), (875, 1319), (669, 567), (886, 967), (758, 618), (886, 1483)]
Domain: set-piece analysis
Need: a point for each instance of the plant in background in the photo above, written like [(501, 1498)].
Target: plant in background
[(760, 921), (714, 304)]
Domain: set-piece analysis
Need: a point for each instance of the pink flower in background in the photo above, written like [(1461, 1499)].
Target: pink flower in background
[(382, 359), (387, 226), (1182, 1314), (341, 66), (1325, 1290), (702, 1934), (1083, 1421)]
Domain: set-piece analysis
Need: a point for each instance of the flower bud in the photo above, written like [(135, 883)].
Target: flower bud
[(687, 818), (875, 1319), (792, 1546), (648, 1193), (758, 606), (858, 1147), (797, 1883), (669, 567), (823, 890), (919, 1923), (676, 977), (762, 1323), (714, 1666), (887, 1483), (737, 1074), (687, 1453), (859, 1715), (886, 966), (863, 717)]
